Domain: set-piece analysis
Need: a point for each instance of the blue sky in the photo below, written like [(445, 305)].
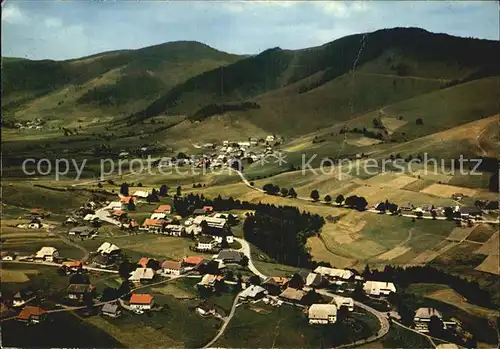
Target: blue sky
[(70, 29)]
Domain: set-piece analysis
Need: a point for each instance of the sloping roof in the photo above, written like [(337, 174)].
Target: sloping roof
[(107, 247), (163, 209), (141, 193), (172, 265), (426, 313), (29, 311), (119, 213), (339, 273), (211, 221), (376, 286), (72, 264), (143, 261), (322, 311), (46, 251), (252, 291), (193, 260), (313, 279), (153, 222), (470, 210), (343, 301), (199, 211), (158, 215), (110, 308), (207, 208), (142, 273), (141, 298), (209, 279), (230, 255), (293, 294), (126, 199)]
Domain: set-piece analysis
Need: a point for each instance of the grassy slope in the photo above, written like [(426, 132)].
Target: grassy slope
[(86, 86)]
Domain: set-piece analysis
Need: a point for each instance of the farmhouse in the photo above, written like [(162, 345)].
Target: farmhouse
[(208, 209), (378, 288), (82, 232), (166, 209), (253, 292), (206, 308), (90, 217), (142, 275), (174, 230), (153, 225), (470, 211), (172, 267), (322, 314), (335, 274), (124, 202), (423, 318), (140, 301), (210, 281), (274, 285), (47, 254), (119, 214), (73, 266), (340, 301), (407, 207), (206, 243), (108, 249), (230, 256), (292, 295), (78, 291), (111, 309), (311, 279), (192, 260), (32, 315), (141, 194)]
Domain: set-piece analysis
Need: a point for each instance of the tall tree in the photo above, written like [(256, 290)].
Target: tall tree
[(292, 193), (328, 199), (340, 199), (315, 195), (124, 189), (163, 190), (179, 191)]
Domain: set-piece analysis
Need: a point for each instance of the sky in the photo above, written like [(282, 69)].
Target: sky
[(70, 29)]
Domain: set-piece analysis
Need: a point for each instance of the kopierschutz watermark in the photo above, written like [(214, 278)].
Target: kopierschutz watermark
[(310, 164)]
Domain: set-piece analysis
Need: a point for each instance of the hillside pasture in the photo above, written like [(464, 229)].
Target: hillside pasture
[(446, 191)]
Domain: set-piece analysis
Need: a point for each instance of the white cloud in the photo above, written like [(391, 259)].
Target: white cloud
[(52, 22), (341, 8), (13, 15)]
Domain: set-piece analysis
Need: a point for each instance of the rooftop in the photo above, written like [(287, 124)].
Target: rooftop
[(141, 298)]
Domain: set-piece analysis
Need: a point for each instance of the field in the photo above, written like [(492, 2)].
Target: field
[(492, 262), (261, 326), (399, 337), (482, 233), (447, 191)]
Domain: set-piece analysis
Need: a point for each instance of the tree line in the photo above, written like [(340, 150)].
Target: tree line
[(282, 233)]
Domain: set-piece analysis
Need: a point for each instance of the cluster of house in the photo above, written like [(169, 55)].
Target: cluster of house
[(36, 124), (35, 216), (464, 212), (210, 228), (252, 149)]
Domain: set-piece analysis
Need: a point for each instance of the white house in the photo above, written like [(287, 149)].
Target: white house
[(253, 292), (108, 248), (174, 230), (158, 216), (142, 274), (378, 288), (340, 301), (141, 301), (333, 273), (206, 243), (172, 267), (47, 254), (212, 222), (423, 318), (322, 314)]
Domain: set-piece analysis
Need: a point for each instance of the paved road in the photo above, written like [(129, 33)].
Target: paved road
[(51, 264), (382, 318), (245, 248), (225, 323)]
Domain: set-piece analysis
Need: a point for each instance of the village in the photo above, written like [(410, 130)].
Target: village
[(324, 295)]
